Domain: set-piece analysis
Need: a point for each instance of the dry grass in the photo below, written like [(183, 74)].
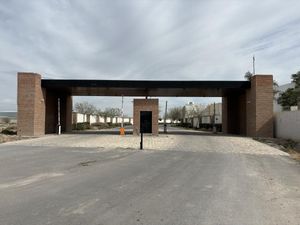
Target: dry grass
[(294, 154), (7, 138), (6, 128), (286, 145)]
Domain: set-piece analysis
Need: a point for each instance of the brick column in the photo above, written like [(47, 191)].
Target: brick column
[(260, 106), (31, 105)]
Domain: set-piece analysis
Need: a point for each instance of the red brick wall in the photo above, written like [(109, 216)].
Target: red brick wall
[(31, 105), (145, 105), (260, 106)]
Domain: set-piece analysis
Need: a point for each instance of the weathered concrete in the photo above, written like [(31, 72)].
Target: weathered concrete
[(211, 184)]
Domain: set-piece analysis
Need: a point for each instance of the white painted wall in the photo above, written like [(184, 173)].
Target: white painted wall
[(80, 118), (93, 119), (287, 125)]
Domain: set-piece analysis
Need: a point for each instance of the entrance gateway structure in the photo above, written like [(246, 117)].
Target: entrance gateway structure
[(247, 107)]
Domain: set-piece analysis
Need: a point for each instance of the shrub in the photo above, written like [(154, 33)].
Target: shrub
[(5, 120), (100, 125), (82, 126), (10, 130)]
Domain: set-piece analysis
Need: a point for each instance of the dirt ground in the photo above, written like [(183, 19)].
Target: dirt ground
[(11, 127), (286, 145)]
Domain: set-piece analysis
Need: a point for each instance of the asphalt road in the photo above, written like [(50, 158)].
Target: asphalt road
[(69, 186)]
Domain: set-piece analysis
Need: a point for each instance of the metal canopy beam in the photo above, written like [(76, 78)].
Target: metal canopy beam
[(146, 87)]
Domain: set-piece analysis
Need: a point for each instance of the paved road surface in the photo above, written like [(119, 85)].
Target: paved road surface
[(226, 180)]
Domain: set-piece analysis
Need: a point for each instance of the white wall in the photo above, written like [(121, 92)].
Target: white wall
[(93, 119), (80, 118), (287, 125)]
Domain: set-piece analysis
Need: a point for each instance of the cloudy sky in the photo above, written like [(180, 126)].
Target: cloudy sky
[(154, 39)]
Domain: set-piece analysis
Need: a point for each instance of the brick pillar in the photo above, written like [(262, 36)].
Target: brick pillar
[(145, 105), (31, 105), (260, 106)]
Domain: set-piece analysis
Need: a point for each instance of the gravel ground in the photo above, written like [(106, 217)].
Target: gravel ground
[(193, 143)]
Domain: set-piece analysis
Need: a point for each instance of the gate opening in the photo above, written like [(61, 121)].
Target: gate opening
[(146, 122)]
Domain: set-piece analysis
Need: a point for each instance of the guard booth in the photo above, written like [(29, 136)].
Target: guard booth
[(145, 116), (146, 122)]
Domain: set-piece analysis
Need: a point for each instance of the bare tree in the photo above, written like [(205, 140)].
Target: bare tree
[(85, 108), (248, 75), (175, 113), (112, 112)]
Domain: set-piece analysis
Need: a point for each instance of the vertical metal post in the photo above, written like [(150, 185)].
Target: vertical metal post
[(122, 124), (253, 65), (165, 119), (58, 117), (214, 119), (141, 143)]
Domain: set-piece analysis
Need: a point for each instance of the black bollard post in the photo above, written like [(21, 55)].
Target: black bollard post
[(141, 143)]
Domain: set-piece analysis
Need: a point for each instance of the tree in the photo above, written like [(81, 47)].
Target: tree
[(112, 112), (288, 98), (103, 114), (85, 108), (175, 113), (291, 97), (296, 79), (248, 75)]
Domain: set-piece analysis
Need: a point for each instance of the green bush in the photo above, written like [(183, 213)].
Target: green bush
[(100, 125), (186, 125), (82, 126), (11, 130)]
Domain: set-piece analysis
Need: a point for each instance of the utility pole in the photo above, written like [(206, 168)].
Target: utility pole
[(165, 120), (214, 119), (122, 124), (253, 65), (122, 130)]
